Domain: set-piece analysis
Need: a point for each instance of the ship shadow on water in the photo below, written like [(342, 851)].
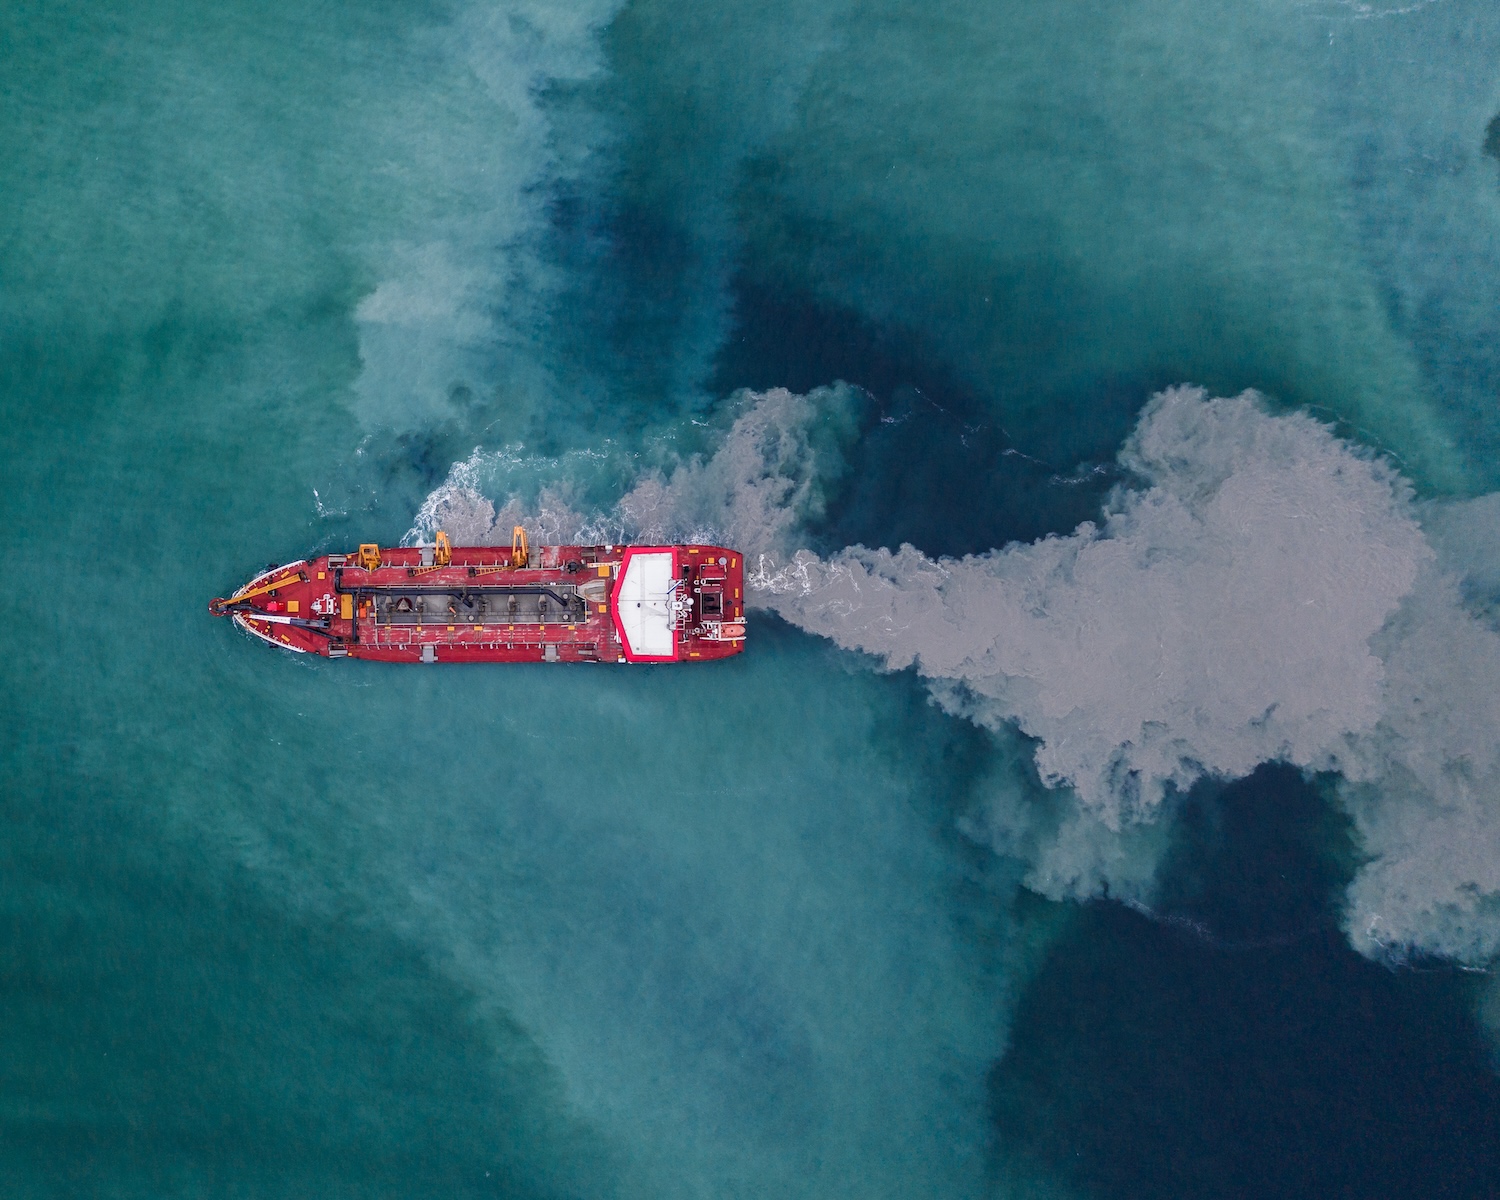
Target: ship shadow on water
[(1230, 1043)]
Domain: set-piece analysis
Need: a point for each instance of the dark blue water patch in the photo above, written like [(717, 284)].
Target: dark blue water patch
[(934, 466), (785, 338), (926, 475), (628, 334), (1257, 862), (163, 1032), (1233, 1044)]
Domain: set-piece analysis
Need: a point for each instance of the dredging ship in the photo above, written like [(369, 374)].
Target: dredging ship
[(445, 603)]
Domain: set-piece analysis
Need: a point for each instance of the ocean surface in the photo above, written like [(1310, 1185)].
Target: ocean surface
[(1108, 397)]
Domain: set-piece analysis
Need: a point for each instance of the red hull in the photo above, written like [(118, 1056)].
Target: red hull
[(566, 604)]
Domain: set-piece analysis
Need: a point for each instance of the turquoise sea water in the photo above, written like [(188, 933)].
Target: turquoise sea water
[(782, 928)]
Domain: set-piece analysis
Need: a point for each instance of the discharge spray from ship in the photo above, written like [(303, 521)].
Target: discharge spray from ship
[(1259, 591)]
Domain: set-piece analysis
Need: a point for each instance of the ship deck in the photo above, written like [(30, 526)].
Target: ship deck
[(489, 604)]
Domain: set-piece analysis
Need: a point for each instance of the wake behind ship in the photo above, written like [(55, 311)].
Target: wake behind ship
[(445, 603)]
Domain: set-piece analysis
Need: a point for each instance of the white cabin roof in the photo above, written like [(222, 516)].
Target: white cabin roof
[(643, 603)]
